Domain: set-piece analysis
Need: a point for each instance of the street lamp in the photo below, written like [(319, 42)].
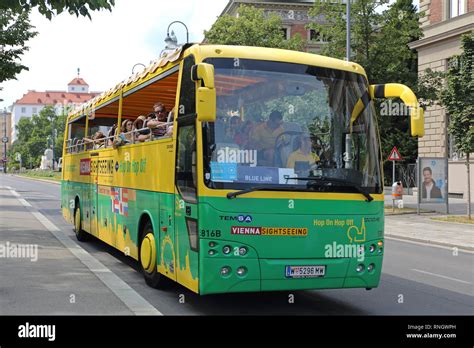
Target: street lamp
[(5, 140), (169, 39), (138, 64)]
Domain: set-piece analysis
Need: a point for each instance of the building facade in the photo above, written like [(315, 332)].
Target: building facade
[(294, 15), (443, 23), (33, 102)]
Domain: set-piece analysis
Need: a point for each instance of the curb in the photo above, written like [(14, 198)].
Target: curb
[(432, 242), (37, 179)]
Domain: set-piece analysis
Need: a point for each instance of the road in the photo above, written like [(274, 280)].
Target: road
[(92, 278)]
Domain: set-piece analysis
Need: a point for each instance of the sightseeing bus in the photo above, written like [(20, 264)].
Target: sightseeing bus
[(268, 176)]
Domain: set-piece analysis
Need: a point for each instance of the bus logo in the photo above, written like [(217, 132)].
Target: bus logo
[(85, 166)]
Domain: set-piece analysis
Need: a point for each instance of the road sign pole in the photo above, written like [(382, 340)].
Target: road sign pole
[(393, 171), (418, 180)]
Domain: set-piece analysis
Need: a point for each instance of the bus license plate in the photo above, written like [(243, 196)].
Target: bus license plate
[(305, 271)]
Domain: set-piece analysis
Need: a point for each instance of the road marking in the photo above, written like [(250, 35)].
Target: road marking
[(134, 301), (25, 203), (441, 276), (460, 249)]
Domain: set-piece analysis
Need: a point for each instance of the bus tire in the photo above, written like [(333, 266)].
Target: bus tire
[(147, 259), (81, 235)]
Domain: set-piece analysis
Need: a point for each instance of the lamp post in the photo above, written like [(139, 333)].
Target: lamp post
[(4, 140), (168, 38), (138, 64), (348, 30)]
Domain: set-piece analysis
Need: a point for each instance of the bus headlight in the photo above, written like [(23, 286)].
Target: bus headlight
[(360, 268), (241, 271), (225, 271), (370, 267), (212, 252), (242, 251), (226, 250), (372, 248)]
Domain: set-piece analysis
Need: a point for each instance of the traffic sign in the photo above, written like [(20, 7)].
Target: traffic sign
[(395, 155), (5, 140)]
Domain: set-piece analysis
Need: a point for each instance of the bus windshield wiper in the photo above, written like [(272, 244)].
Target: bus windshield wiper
[(323, 179), (231, 195)]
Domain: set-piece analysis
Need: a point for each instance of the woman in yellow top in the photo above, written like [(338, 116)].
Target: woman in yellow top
[(302, 154)]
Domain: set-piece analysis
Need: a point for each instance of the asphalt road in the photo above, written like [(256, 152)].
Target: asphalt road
[(92, 278)]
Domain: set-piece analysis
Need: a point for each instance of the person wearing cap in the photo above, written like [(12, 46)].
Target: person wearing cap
[(264, 136), (302, 157)]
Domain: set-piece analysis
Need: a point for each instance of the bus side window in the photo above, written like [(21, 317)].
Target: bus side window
[(186, 163), (76, 132)]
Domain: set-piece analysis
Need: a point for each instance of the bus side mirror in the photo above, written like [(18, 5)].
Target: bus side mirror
[(396, 90), (206, 93)]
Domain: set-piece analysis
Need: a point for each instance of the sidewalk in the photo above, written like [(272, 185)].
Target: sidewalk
[(421, 228), (457, 206)]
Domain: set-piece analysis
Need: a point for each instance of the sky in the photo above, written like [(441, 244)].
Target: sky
[(107, 47)]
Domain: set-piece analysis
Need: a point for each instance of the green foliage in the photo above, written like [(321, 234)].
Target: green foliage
[(16, 29), (34, 137), (379, 42), (15, 32), (251, 28), (458, 97), (49, 8)]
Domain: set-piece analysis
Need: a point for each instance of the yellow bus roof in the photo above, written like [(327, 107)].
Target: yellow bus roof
[(202, 51)]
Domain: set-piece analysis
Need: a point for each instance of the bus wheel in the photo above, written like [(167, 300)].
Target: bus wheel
[(81, 235), (147, 258)]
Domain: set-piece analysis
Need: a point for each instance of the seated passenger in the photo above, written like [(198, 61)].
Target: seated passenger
[(302, 159), (158, 124), (138, 126), (125, 136), (111, 135), (98, 140), (264, 136)]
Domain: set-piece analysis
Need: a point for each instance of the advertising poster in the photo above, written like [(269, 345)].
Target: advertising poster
[(433, 180)]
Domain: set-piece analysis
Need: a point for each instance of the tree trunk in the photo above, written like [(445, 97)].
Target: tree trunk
[(468, 187)]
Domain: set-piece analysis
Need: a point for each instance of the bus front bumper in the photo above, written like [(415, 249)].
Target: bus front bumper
[(271, 274)]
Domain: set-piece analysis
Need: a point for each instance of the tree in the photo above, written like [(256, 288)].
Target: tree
[(49, 8), (16, 30), (35, 134), (457, 97), (379, 42), (251, 28)]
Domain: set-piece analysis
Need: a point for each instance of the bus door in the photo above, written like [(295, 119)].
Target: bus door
[(103, 197), (92, 195), (186, 208)]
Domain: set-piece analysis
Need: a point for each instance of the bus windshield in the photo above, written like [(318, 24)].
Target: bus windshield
[(285, 125)]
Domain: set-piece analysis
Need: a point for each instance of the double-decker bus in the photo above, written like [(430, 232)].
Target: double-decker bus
[(268, 176)]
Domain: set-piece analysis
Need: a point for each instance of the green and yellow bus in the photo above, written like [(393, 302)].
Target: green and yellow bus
[(268, 176)]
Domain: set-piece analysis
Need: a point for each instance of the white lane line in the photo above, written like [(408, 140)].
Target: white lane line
[(25, 203), (441, 276), (134, 301), (460, 249), (16, 194)]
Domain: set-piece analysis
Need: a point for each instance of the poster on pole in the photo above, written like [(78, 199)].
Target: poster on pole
[(433, 179)]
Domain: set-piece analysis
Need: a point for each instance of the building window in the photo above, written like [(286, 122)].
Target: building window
[(286, 33), (23, 110), (72, 88), (314, 35), (83, 88), (456, 8), (35, 110)]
